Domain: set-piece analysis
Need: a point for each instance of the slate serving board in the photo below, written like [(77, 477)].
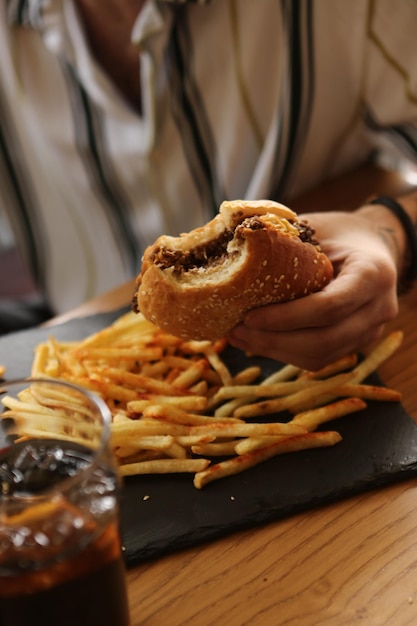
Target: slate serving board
[(165, 513)]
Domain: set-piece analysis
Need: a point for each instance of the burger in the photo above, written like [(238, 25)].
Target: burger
[(200, 284)]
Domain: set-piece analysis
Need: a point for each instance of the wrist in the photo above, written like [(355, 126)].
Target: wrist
[(393, 220)]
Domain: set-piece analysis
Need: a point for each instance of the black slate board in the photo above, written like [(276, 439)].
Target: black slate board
[(162, 514)]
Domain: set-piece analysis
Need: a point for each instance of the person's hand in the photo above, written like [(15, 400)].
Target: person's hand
[(347, 314)]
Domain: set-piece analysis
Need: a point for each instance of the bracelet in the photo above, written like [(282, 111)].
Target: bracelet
[(410, 275)]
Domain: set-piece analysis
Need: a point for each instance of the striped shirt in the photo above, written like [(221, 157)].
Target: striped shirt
[(240, 99)]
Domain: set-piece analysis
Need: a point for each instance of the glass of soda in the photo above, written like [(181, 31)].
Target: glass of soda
[(60, 550)]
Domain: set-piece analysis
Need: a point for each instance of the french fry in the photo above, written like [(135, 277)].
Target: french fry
[(201, 389), (151, 442), (40, 360), (219, 366), (177, 415), (122, 431), (228, 408), (313, 418), (265, 391), (369, 392), (287, 372), (138, 382), (243, 462), (249, 444), (136, 456), (186, 403), (247, 375), (190, 376), (341, 365), (229, 427), (233, 429), (378, 355), (164, 466), (194, 346), (155, 370), (29, 429), (110, 390), (110, 354), (221, 448), (187, 441), (294, 401)]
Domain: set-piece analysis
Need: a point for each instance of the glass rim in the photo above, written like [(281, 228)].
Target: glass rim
[(99, 452)]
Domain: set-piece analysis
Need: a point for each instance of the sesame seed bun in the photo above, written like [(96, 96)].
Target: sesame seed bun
[(200, 285)]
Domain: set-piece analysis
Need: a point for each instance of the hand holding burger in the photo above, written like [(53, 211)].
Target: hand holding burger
[(253, 253), (367, 249)]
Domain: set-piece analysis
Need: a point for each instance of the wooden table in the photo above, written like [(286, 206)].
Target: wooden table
[(353, 562)]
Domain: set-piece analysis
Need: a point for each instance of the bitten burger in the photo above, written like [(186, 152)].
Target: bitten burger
[(200, 285)]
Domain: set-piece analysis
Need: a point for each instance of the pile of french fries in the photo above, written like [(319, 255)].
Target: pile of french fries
[(176, 406)]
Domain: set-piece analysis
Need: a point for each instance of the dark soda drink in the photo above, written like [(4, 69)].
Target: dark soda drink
[(60, 552), (86, 590)]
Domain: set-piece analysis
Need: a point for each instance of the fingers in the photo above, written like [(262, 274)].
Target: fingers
[(307, 348), (361, 281), (318, 310), (315, 346)]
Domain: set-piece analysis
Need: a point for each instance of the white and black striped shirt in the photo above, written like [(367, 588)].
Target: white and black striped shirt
[(240, 99)]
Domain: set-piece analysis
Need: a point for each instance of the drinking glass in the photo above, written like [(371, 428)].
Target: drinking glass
[(60, 551)]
